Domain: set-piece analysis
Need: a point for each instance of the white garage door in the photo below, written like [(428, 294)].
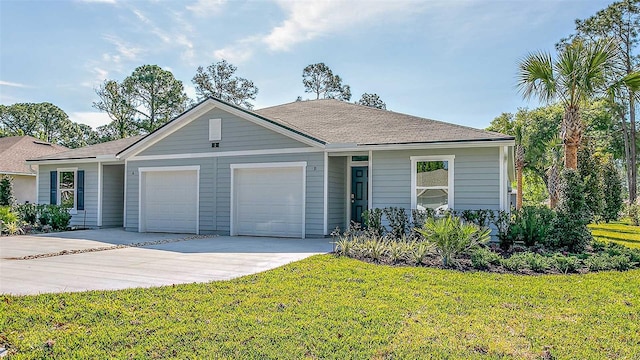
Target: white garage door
[(269, 201), (169, 201)]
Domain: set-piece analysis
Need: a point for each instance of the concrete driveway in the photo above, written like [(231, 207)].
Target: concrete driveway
[(170, 259)]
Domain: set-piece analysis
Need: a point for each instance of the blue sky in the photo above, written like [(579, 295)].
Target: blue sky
[(448, 60)]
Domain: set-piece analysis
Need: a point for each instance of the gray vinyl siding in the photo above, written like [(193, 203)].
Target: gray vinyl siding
[(476, 177), (215, 189), (84, 218), (337, 197), (112, 195), (237, 134)]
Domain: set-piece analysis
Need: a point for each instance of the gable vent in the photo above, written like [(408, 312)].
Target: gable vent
[(215, 129)]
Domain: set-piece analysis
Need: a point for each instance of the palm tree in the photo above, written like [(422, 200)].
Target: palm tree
[(519, 165), (575, 76)]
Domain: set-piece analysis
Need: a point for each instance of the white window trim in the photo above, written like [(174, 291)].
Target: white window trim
[(233, 167), (414, 168), (142, 170), (74, 210)]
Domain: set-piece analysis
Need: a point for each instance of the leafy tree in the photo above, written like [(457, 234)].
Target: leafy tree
[(44, 121), (620, 23), (519, 162), (79, 135), (575, 76), (320, 80), (570, 225), (156, 96), (372, 100), (612, 189), (589, 168), (218, 81), (6, 191), (117, 102)]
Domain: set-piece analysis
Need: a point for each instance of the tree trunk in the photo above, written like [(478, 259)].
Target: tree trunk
[(519, 188), (633, 174), (571, 156), (571, 136)]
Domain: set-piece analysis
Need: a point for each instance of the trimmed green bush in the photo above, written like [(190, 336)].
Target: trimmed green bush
[(531, 225), (572, 216), (516, 262), (564, 264), (482, 257), (6, 191)]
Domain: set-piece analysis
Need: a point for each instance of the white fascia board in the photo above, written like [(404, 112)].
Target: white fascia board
[(225, 154), (16, 173), (74, 161), (427, 146)]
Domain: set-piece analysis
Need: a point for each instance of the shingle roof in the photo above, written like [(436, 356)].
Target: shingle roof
[(340, 122), (110, 148), (15, 150)]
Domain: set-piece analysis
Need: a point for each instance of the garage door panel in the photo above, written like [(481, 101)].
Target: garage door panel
[(169, 201), (269, 201)]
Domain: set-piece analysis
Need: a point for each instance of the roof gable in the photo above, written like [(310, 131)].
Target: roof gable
[(201, 109)]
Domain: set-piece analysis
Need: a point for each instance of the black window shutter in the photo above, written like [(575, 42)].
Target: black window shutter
[(80, 189), (53, 197)]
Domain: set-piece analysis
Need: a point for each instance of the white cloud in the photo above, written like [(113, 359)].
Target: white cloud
[(205, 8), (93, 119), (239, 52), (125, 50), (307, 20), (13, 84)]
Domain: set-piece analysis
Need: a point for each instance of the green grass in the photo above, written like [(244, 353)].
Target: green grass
[(619, 232), (327, 307)]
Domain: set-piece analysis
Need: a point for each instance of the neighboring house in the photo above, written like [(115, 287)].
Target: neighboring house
[(14, 151), (298, 169)]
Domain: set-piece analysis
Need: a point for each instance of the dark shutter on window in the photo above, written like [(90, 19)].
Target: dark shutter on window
[(53, 186), (80, 188)]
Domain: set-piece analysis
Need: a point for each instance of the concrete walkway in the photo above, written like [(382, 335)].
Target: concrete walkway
[(194, 260)]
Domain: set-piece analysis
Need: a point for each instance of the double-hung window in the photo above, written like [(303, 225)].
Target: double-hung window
[(432, 182), (67, 188)]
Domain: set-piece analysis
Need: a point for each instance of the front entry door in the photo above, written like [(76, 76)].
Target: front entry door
[(359, 192)]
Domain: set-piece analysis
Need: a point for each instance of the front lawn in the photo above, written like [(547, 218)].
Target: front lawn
[(619, 232), (328, 307)]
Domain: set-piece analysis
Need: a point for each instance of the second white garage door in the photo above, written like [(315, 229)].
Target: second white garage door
[(169, 201), (268, 201)]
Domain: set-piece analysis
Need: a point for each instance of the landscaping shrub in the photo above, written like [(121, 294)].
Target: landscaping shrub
[(397, 251), (590, 172), (598, 262), (633, 212), (502, 222), (398, 221), (419, 217), (480, 217), (516, 262), (612, 189), (6, 191), (564, 264), (452, 237), (56, 216), (482, 257), (27, 213), (531, 225), (570, 224), (535, 262), (373, 221), (7, 215), (419, 251)]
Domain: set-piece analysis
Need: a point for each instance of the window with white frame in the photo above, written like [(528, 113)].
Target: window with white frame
[(67, 188), (432, 182)]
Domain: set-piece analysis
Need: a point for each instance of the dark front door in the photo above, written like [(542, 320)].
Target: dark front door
[(359, 192)]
